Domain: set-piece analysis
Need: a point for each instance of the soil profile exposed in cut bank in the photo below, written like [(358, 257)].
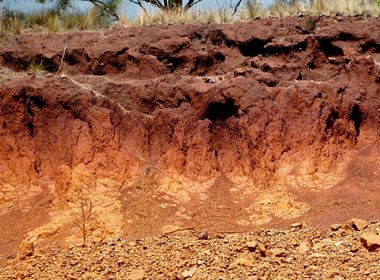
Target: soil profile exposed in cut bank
[(218, 127)]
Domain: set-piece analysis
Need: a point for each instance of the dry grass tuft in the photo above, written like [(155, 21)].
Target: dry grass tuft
[(253, 10), (50, 21), (37, 67), (345, 7), (281, 8), (10, 23), (220, 15)]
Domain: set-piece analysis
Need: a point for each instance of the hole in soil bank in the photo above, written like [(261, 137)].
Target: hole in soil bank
[(356, 116), (72, 60), (329, 49), (175, 62), (40, 63), (252, 47), (371, 46), (218, 111), (311, 65), (39, 101), (344, 36), (202, 64), (219, 56), (334, 115)]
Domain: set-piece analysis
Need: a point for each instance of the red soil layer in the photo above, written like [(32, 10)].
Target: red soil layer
[(224, 127)]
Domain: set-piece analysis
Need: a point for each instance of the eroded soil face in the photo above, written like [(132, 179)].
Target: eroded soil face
[(217, 127)]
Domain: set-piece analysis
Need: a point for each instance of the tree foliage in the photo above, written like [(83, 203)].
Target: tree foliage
[(168, 5), (107, 8)]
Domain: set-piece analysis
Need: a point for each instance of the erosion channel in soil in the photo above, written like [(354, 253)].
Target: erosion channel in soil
[(224, 128)]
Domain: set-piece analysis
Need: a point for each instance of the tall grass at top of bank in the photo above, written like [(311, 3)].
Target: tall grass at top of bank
[(45, 21), (15, 22), (284, 8)]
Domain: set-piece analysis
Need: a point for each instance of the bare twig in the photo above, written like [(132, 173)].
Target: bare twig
[(178, 230), (81, 220), (62, 58)]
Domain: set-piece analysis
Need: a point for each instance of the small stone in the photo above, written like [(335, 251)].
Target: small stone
[(220, 236), (359, 224), (120, 261), (317, 255), (352, 269), (317, 246), (371, 241), (297, 226), (189, 273), (203, 235), (354, 249), (335, 227), (332, 58), (26, 249), (252, 246), (136, 274), (261, 249), (244, 262), (327, 241), (347, 228), (241, 71), (303, 247), (278, 252), (295, 243)]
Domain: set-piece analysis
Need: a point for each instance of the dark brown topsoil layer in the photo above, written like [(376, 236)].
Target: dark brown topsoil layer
[(223, 127)]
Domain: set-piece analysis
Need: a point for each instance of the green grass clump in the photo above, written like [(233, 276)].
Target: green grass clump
[(37, 67)]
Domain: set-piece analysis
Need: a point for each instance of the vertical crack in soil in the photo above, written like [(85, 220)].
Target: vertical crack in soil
[(356, 116), (333, 116)]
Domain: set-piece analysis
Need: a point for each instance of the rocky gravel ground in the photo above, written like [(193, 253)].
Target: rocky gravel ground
[(346, 251)]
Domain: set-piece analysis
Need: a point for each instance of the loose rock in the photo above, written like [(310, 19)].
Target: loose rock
[(303, 247), (262, 249), (203, 235), (359, 224), (190, 272), (297, 226), (252, 246), (371, 241), (335, 227), (26, 249), (137, 274)]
